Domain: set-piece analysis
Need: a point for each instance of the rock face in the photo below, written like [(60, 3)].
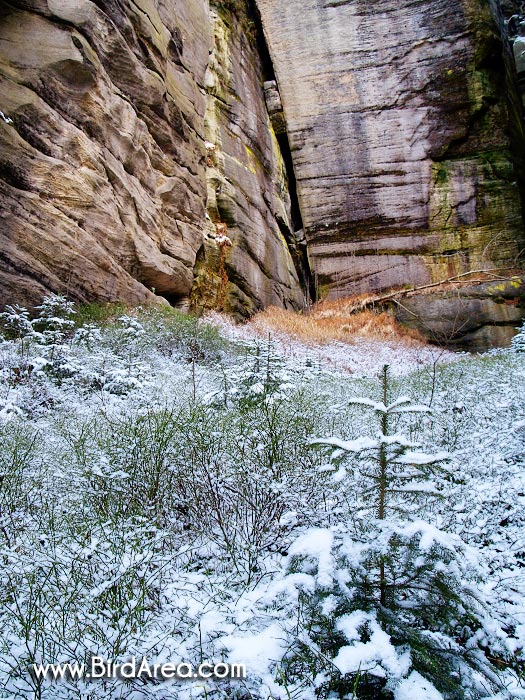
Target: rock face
[(401, 136), (151, 150), (104, 174), (245, 261), (475, 317)]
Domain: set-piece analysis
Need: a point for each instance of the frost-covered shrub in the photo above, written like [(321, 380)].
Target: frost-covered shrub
[(88, 336), (50, 326), (518, 342), (18, 488), (246, 478), (45, 334), (66, 596), (274, 476), (127, 338), (383, 591), (16, 325), (120, 381), (126, 465), (194, 339), (130, 327)]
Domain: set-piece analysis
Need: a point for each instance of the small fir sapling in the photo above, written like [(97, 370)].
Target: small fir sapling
[(518, 342), (49, 329), (391, 593), (54, 322), (263, 379), (15, 322)]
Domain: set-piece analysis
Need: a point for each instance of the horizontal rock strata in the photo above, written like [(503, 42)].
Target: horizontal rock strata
[(398, 119), (474, 317)]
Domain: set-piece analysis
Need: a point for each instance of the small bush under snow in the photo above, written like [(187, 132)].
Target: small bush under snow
[(185, 492)]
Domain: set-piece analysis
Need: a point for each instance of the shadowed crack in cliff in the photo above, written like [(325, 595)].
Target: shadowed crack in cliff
[(294, 237)]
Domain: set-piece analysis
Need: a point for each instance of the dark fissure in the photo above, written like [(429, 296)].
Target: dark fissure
[(294, 238)]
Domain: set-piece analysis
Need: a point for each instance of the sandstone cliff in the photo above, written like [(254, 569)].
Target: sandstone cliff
[(402, 138), (245, 261), (104, 174), (140, 161)]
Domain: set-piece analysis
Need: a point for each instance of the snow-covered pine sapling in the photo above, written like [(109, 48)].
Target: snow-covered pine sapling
[(53, 326), (392, 476), (263, 379), (16, 324), (54, 320), (395, 477), (518, 342), (390, 592)]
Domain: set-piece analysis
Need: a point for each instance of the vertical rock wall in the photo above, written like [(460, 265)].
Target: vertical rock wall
[(101, 172), (245, 261), (103, 166), (398, 120), (138, 160)]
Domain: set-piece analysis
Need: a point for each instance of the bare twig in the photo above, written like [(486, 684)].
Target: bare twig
[(456, 279)]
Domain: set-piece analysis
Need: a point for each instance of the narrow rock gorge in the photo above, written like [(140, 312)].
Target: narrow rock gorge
[(237, 154)]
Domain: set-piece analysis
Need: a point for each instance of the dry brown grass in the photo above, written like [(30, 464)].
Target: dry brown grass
[(338, 320)]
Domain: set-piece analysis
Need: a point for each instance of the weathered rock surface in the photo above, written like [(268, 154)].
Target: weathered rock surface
[(245, 262), (103, 165), (400, 132), (144, 152), (475, 317), (275, 106)]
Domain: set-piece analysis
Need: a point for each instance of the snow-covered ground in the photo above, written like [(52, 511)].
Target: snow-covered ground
[(189, 492), (363, 357)]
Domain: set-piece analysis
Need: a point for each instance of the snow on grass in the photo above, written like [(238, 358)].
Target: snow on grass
[(361, 358), (157, 476)]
